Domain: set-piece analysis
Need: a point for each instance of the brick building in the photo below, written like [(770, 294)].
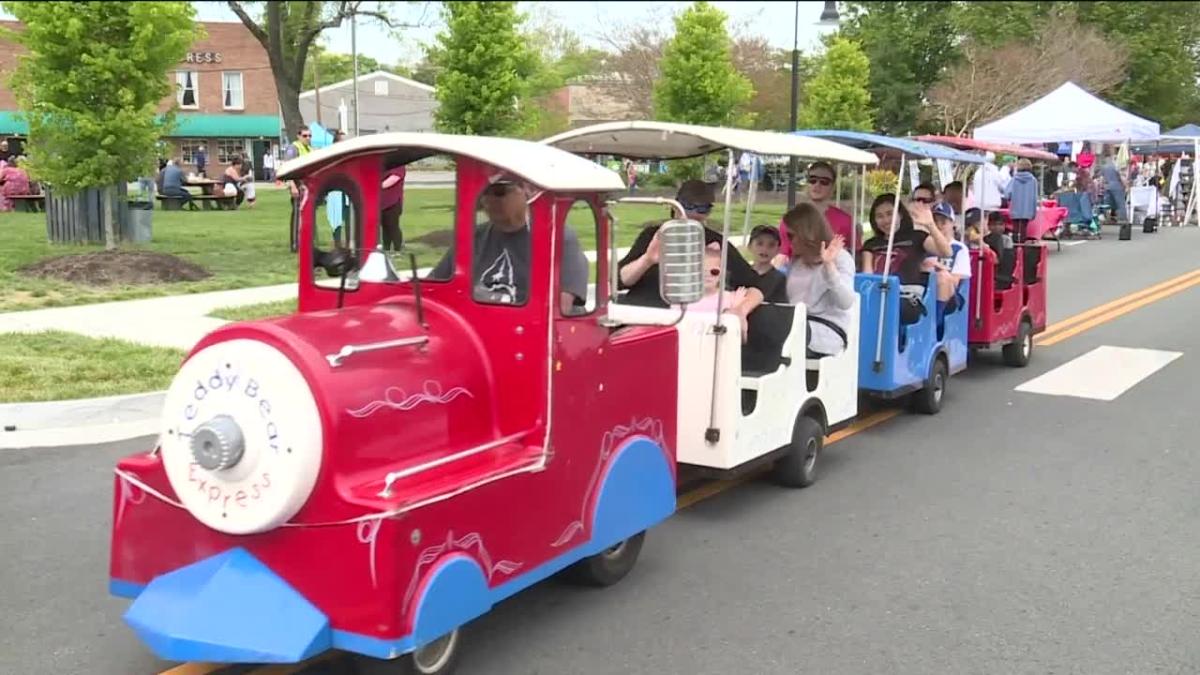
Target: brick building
[(224, 96)]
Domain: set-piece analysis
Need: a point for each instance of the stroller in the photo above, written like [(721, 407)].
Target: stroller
[(1081, 217)]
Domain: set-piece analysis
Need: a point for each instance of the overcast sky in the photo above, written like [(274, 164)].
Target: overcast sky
[(589, 20)]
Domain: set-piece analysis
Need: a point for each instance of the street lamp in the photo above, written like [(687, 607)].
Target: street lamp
[(829, 17)]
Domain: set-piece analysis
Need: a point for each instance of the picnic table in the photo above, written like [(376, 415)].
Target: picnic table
[(211, 195)]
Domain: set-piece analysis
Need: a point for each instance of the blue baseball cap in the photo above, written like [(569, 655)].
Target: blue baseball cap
[(944, 210)]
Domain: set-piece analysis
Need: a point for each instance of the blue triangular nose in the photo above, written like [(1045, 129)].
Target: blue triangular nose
[(229, 608)]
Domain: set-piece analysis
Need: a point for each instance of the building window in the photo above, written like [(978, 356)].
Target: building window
[(228, 148), (188, 89), (188, 148), (381, 87), (231, 91)]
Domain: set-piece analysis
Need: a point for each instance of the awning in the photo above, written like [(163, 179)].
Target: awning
[(186, 125), (189, 125), (13, 123)]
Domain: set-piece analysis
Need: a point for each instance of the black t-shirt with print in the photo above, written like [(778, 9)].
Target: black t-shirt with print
[(908, 252), (501, 263), (738, 273)]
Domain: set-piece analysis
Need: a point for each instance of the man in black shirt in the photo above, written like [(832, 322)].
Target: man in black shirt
[(639, 269)]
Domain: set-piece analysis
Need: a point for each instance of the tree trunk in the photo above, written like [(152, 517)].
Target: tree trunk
[(106, 217), (289, 104)]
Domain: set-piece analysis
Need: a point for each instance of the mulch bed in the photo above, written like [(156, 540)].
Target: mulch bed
[(116, 267)]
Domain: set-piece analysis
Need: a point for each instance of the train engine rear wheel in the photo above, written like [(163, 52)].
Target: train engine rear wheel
[(439, 657), (607, 567)]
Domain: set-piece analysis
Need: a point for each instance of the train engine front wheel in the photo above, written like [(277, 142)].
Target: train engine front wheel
[(607, 567)]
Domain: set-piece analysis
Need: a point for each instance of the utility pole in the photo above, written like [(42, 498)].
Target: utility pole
[(792, 166), (316, 61), (354, 54)]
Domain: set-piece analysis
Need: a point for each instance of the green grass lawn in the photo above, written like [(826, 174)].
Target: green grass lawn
[(249, 247), (35, 369)]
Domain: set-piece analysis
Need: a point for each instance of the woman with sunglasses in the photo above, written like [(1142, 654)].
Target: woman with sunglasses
[(820, 276), (916, 236), (820, 177), (638, 270)]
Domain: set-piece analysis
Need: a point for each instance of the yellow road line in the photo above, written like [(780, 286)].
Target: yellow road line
[(194, 669), (1118, 312), (1108, 306), (707, 490)]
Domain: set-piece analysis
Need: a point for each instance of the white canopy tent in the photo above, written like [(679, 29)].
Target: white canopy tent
[(1069, 113)]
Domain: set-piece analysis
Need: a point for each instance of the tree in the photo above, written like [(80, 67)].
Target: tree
[(91, 85), (632, 67), (334, 67), (288, 31), (908, 45), (769, 71), (699, 83), (484, 67), (991, 82), (1163, 41), (837, 97)]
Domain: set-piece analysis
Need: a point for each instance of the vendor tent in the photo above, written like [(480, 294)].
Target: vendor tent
[(1173, 142), (1069, 113)]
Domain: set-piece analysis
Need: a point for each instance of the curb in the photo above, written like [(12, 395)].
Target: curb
[(78, 422)]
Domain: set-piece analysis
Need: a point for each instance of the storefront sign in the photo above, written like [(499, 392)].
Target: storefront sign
[(202, 57)]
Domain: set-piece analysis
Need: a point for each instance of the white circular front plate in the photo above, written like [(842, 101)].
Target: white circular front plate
[(270, 401)]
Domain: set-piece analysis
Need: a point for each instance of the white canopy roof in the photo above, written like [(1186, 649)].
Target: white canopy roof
[(667, 140), (544, 166), (1068, 113)]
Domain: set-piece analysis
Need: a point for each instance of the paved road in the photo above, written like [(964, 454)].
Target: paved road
[(1014, 533)]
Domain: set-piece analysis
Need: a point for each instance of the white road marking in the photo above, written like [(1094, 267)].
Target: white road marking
[(1074, 243), (1102, 374)]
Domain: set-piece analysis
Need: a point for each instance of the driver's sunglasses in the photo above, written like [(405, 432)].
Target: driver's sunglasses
[(820, 180), (696, 208), (306, 135), (499, 189)]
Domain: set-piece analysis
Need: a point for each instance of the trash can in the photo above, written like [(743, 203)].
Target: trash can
[(139, 225)]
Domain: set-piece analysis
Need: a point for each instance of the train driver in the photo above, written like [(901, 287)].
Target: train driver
[(502, 251)]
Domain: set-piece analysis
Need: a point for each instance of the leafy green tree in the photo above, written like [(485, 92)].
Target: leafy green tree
[(837, 97), (334, 67), (1163, 39), (698, 82), (908, 44), (483, 67), (91, 85)]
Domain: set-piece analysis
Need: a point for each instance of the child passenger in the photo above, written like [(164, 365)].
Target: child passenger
[(764, 246), (732, 301), (949, 270)]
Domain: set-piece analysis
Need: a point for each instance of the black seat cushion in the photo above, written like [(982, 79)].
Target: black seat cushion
[(769, 328)]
